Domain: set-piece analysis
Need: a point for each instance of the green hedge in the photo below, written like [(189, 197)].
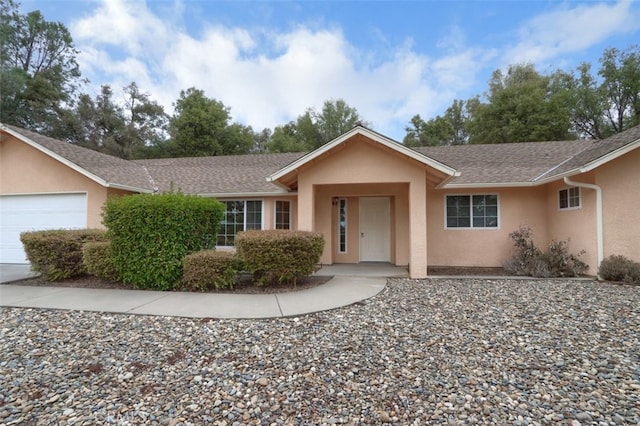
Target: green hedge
[(208, 270), (57, 254), (98, 260), (279, 256), (151, 234)]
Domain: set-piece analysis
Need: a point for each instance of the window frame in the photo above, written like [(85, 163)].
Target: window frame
[(568, 189), (471, 217), (244, 217), (275, 213)]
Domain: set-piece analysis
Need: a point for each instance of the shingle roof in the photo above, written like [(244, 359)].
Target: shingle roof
[(598, 149), (113, 171), (218, 175), (504, 163), (492, 165)]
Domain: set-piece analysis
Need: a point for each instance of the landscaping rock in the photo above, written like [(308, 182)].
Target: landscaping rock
[(421, 352)]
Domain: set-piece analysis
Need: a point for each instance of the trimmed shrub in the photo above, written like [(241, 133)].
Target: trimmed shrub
[(529, 260), (620, 268), (151, 234), (98, 260), (57, 254), (279, 256), (209, 270)]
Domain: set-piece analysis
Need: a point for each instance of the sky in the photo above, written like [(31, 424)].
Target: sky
[(269, 61)]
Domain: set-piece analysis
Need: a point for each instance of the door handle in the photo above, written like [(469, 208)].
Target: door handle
[(362, 235)]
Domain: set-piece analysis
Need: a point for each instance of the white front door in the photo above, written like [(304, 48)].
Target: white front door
[(375, 229)]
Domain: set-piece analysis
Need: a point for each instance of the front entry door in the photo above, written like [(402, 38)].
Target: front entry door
[(375, 232)]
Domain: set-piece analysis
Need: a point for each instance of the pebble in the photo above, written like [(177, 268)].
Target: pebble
[(439, 351)]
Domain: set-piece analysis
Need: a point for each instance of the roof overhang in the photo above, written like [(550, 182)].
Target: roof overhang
[(246, 194), (594, 164), (70, 164), (370, 134), (610, 156)]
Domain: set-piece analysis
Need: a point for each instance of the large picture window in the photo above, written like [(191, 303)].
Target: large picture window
[(472, 211), (240, 215), (569, 198), (283, 214)]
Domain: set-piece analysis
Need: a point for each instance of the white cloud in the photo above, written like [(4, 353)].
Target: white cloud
[(571, 29), (268, 78)]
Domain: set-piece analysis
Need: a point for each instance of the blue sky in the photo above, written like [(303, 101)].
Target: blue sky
[(271, 60)]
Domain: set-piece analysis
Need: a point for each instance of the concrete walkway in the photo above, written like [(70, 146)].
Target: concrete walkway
[(350, 284)]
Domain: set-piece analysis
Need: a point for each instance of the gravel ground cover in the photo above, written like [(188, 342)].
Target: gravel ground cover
[(422, 352)]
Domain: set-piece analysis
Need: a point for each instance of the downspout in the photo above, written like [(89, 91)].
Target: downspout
[(599, 226)]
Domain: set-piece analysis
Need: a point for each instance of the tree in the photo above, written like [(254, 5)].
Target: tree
[(314, 129), (39, 72), (585, 101), (128, 129), (449, 129), (286, 138), (99, 124), (146, 123), (521, 107), (607, 102), (200, 127), (335, 119), (620, 71)]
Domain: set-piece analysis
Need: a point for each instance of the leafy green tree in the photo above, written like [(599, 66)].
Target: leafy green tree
[(200, 127), (146, 123), (521, 106), (448, 129), (130, 129), (585, 101), (620, 72), (38, 69), (286, 138), (608, 101), (261, 141), (99, 124), (335, 118), (314, 129)]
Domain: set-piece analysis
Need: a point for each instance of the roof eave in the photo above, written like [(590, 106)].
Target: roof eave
[(55, 156), (480, 185), (129, 188), (395, 146), (71, 164), (610, 156), (245, 194)]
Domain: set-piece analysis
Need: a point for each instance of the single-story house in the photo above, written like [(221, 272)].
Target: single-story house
[(373, 199)]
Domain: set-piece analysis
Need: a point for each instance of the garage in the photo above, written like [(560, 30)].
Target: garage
[(33, 212)]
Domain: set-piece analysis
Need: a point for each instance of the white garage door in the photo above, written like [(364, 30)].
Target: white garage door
[(19, 213)]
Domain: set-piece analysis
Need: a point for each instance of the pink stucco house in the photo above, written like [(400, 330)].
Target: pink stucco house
[(374, 199)]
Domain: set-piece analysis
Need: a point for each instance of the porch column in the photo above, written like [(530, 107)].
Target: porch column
[(305, 206), (418, 228)]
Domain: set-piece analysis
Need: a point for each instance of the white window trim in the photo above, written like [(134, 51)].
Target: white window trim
[(346, 226), (244, 225), (275, 213), (474, 228), (567, 188)]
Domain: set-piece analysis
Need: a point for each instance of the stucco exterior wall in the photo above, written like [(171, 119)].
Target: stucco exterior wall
[(399, 205), (576, 226), (620, 183), (269, 210), (361, 168), (25, 170), (487, 247)]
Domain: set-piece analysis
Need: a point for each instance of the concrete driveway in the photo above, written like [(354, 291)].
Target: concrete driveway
[(15, 272)]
